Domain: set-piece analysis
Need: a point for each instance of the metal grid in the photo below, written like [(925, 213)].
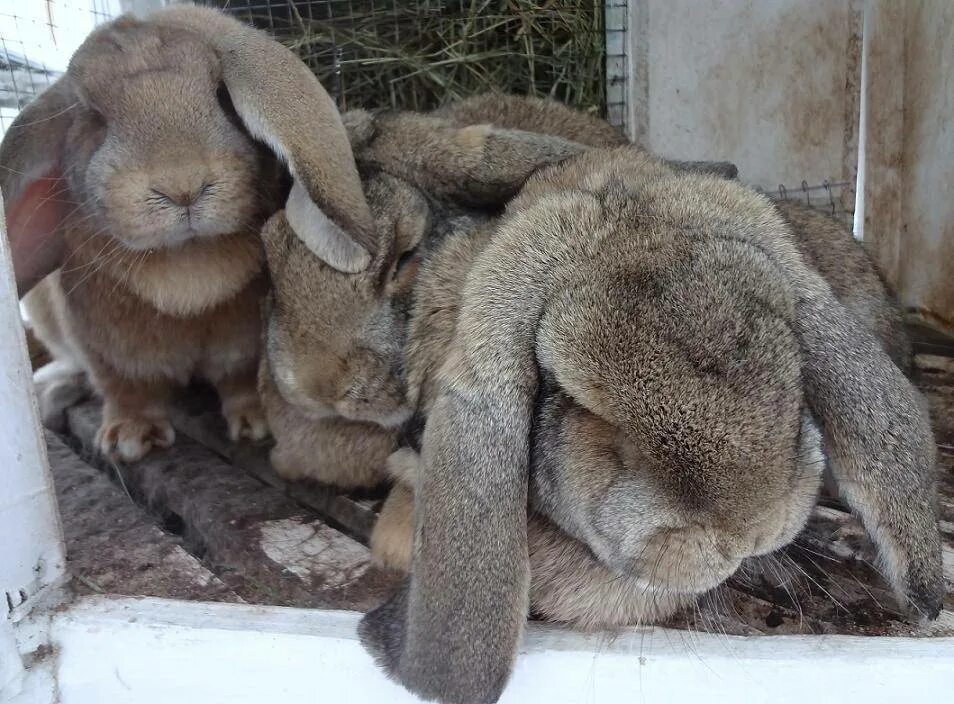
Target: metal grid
[(352, 45), (416, 54), (617, 63), (36, 41), (833, 198)]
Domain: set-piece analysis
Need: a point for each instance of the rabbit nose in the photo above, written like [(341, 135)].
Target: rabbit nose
[(182, 197), (181, 187)]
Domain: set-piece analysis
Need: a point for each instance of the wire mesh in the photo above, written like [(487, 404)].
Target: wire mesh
[(411, 54), (418, 54), (835, 198), (37, 39)]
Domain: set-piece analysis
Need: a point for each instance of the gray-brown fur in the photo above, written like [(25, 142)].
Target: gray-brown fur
[(549, 117), (730, 355), (640, 348), (334, 341), (332, 379), (541, 115), (828, 246)]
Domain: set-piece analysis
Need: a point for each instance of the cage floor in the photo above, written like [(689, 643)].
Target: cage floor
[(209, 520)]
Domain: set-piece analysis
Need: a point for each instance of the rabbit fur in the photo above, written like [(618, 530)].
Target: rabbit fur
[(744, 368), (332, 379), (334, 362), (140, 171), (645, 357)]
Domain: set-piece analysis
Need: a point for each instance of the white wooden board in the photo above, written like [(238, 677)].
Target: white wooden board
[(147, 651)]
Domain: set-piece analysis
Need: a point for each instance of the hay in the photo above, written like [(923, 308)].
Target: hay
[(419, 54)]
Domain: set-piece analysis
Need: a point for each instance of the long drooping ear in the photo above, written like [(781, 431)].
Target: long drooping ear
[(31, 179), (478, 165), (878, 441), (458, 625), (281, 102)]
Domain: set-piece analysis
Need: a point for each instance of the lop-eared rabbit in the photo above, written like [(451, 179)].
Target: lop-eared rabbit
[(632, 380), (142, 170)]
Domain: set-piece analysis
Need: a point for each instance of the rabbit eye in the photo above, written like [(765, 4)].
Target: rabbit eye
[(404, 260), (225, 102)]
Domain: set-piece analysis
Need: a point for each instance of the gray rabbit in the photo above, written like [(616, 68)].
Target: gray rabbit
[(649, 359)]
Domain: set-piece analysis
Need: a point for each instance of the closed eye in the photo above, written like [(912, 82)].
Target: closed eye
[(403, 261)]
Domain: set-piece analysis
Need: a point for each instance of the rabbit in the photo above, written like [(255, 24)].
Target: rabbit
[(750, 374), (647, 361), (826, 244), (141, 173), (829, 247), (531, 114), (332, 377), (331, 380)]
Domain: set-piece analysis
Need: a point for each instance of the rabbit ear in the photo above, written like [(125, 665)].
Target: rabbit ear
[(281, 102), (478, 165), (878, 441), (31, 180), (458, 625)]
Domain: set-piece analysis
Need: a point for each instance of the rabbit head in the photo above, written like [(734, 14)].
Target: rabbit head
[(643, 356), (152, 131), (334, 340)]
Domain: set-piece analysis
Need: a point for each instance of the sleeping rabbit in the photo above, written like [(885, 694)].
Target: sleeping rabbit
[(144, 165), (642, 356), (649, 361), (332, 379)]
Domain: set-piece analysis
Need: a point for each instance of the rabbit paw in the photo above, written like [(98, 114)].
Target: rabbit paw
[(129, 439), (245, 419)]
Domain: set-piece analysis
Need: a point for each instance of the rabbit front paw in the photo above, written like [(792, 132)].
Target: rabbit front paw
[(245, 418), (129, 439)]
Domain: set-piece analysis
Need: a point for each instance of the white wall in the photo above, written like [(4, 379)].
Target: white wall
[(761, 83)]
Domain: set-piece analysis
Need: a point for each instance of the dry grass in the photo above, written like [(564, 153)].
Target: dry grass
[(419, 54)]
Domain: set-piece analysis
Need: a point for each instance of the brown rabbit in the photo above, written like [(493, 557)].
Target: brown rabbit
[(517, 112), (140, 165), (332, 379), (650, 353)]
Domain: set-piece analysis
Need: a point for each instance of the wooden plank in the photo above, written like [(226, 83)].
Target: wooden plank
[(776, 103), (927, 253), (113, 546), (259, 542), (352, 516), (881, 133)]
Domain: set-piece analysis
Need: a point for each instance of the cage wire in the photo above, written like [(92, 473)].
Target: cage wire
[(37, 39), (834, 198), (419, 54)]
